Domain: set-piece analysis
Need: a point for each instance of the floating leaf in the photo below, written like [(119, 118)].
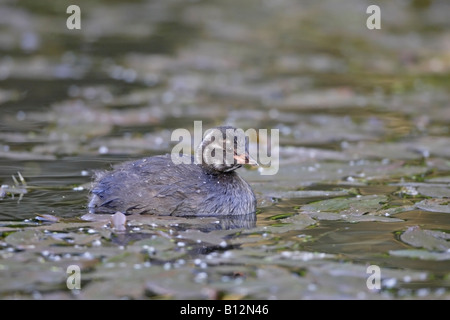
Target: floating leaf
[(310, 194), (118, 221), (434, 205), (435, 191), (421, 254), (47, 218), (198, 236), (285, 223), (180, 284), (95, 217), (157, 243), (300, 255), (300, 220), (30, 238), (351, 218), (360, 208), (441, 179), (81, 238)]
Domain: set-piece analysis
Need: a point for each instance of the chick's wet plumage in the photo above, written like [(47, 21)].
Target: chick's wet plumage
[(156, 185)]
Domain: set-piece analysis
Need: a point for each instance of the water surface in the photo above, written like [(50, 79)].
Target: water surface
[(363, 116)]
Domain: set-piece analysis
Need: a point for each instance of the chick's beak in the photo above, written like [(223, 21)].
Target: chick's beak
[(245, 159)]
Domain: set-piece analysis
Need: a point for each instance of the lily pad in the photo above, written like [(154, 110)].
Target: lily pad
[(179, 284), (47, 218), (356, 206), (387, 130), (360, 208), (443, 179), (351, 218), (118, 221), (421, 254), (310, 194), (436, 146), (295, 174), (428, 239), (157, 243), (292, 223), (300, 255), (321, 129), (30, 238), (350, 279), (383, 151), (199, 237), (18, 276), (434, 205), (435, 191)]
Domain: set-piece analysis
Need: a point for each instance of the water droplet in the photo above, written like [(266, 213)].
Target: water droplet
[(390, 283), (201, 277), (129, 75), (103, 150), (87, 255), (423, 292), (312, 287), (21, 115)]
